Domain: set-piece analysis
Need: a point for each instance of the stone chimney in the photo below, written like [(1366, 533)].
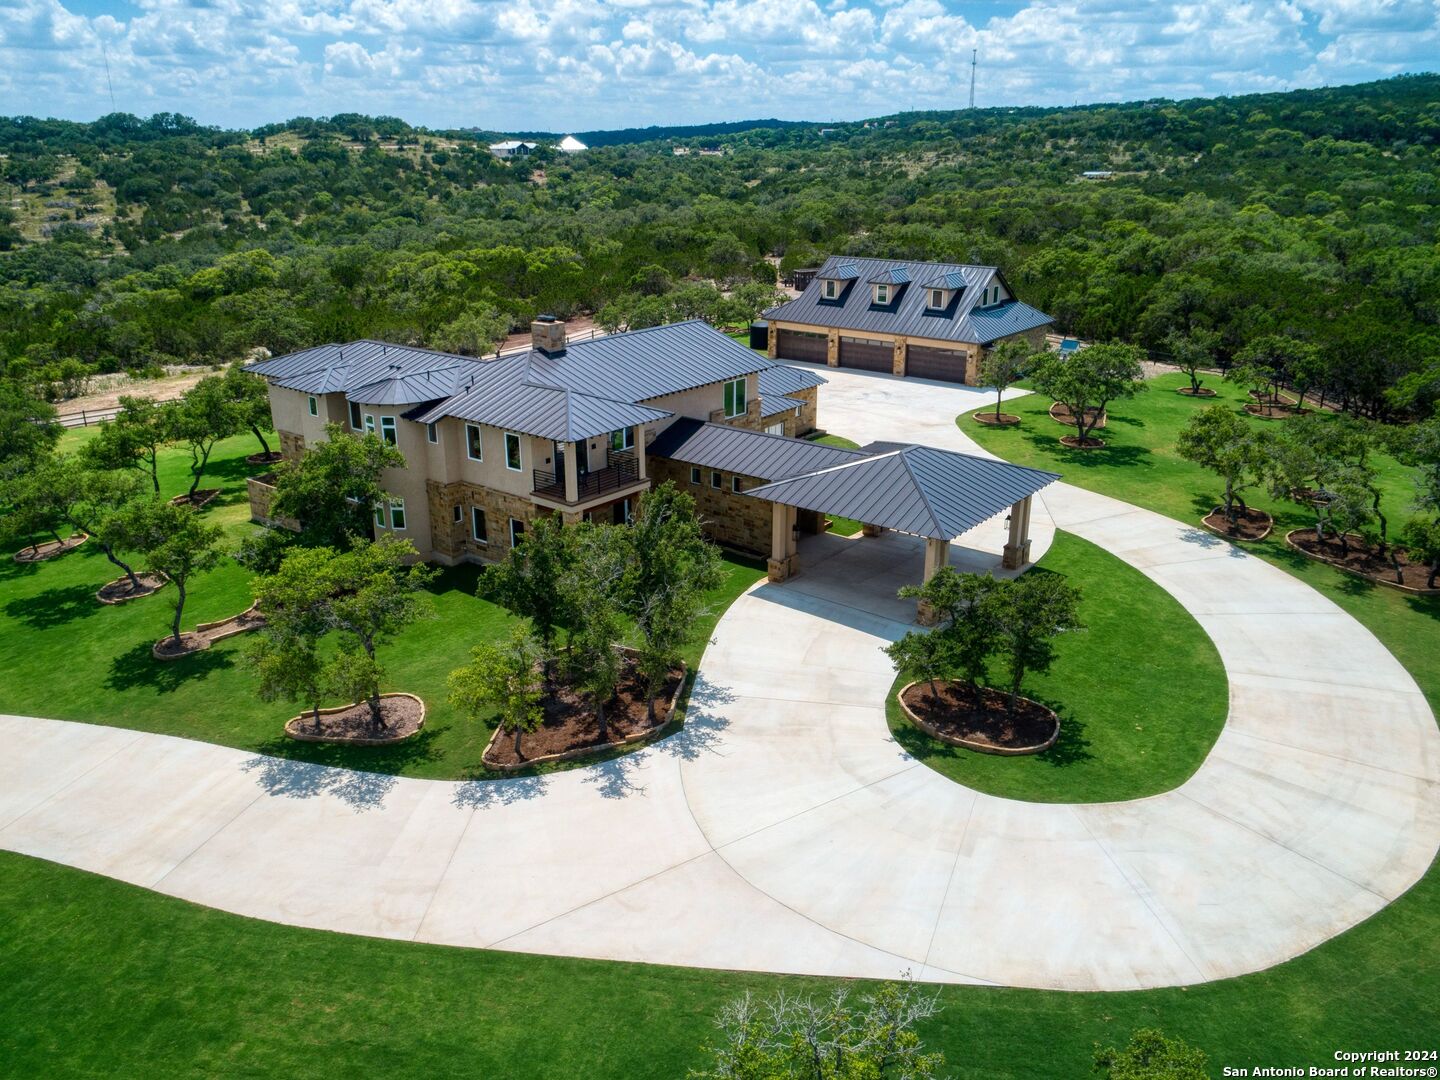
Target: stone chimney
[(547, 334)]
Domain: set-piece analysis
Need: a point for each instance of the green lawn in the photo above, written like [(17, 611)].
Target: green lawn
[(838, 525), (1140, 466), (1114, 742), (68, 657)]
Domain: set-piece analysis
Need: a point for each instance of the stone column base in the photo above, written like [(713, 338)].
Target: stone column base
[(784, 569), (1015, 555), (871, 530)]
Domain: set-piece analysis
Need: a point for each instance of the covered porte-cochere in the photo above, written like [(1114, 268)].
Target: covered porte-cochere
[(922, 491)]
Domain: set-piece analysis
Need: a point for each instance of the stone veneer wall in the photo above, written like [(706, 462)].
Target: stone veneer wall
[(727, 518), (291, 445), (452, 541), (749, 419)]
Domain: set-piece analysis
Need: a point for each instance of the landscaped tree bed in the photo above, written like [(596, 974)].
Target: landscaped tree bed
[(1250, 523), (990, 419), (570, 728), (953, 712), (401, 716), (264, 458), (1191, 391), (1274, 410), (1074, 442), (123, 588), (1061, 414), (206, 634), (50, 549), (1358, 557), (200, 499)]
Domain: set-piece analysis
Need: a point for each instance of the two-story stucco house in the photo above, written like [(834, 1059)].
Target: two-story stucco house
[(928, 320)]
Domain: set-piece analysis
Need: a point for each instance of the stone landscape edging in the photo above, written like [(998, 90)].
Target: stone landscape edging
[(968, 744), (206, 627), (1238, 539), (584, 751), (133, 596), (64, 548), (1412, 590), (1203, 392), (986, 418), (300, 736), (1104, 420)]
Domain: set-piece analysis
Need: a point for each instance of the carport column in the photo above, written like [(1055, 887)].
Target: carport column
[(832, 348), (972, 364), (773, 342), (897, 365), (571, 479), (937, 554), (784, 562), (1017, 548)]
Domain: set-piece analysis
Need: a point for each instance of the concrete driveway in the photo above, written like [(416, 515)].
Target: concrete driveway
[(784, 830)]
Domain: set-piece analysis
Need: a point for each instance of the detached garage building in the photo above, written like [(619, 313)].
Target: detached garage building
[(925, 320)]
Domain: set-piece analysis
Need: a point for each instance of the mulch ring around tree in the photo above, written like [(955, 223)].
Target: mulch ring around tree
[(402, 716), (1274, 410), (201, 498), (1189, 391), (263, 458), (49, 549), (1250, 523), (1364, 561), (570, 729), (1061, 414), (952, 716), (122, 589), (1074, 442), (207, 633), (989, 419)]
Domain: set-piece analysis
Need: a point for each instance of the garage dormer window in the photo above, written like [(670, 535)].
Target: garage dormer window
[(937, 299), (832, 288), (882, 294)]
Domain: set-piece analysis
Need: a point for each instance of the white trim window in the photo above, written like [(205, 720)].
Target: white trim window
[(474, 443), (735, 485), (432, 432), (716, 481), (397, 515), (517, 532), (937, 299), (832, 287), (882, 294), (514, 456), (777, 428), (369, 423), (313, 405), (479, 528), (735, 402), (388, 433), (624, 439), (457, 514)]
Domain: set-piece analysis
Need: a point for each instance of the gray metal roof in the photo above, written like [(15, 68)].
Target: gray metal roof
[(907, 313), (917, 489), (780, 379), (541, 410), (950, 279), (774, 406), (750, 453), (892, 275)]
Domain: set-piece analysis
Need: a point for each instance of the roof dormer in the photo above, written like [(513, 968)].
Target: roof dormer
[(886, 285), (837, 279), (940, 291)]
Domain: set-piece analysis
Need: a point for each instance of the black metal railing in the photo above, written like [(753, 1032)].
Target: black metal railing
[(624, 469)]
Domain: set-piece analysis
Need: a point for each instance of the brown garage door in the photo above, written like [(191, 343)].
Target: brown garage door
[(928, 362), (869, 355), (801, 345)]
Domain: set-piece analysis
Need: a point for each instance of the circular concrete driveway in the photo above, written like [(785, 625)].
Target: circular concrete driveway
[(784, 830)]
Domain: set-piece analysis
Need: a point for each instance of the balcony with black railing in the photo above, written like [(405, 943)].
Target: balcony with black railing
[(623, 470)]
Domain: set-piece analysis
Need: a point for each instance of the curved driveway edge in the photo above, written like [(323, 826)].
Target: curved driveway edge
[(784, 830)]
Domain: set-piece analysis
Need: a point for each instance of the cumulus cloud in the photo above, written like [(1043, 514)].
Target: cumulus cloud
[(519, 64)]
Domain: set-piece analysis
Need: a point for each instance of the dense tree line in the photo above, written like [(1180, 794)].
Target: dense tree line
[(1309, 215)]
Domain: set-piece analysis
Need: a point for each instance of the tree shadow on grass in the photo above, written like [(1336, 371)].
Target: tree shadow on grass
[(137, 667), (54, 607), (1071, 747)]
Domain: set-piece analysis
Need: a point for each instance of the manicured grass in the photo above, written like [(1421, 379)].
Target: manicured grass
[(67, 657), (838, 525), (1116, 740), (1140, 465)]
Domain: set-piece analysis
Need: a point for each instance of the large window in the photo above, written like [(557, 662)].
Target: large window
[(355, 424), (387, 430), (513, 461), (314, 405), (517, 532), (369, 424), (397, 514), (624, 439), (474, 449), (479, 531), (735, 397)]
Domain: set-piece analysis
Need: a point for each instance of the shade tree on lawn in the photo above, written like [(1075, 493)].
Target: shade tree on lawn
[(204, 416), (333, 488), (93, 501), (28, 429), (1192, 353), (1003, 366), (1087, 380), (1421, 537), (964, 637), (249, 397), (134, 438), (504, 679), (533, 581), (33, 508), (1323, 463), (1218, 439), (592, 586), (1030, 613), (1272, 359), (173, 541)]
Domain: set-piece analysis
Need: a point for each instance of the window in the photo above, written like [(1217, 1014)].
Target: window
[(735, 484), (456, 514), (830, 288), (432, 432), (882, 294), (517, 532), (512, 452), (937, 298), (354, 417), (369, 424), (473, 448), (387, 430), (479, 531), (715, 480), (777, 428), (397, 514), (694, 474), (620, 512), (314, 406), (624, 439), (735, 397)]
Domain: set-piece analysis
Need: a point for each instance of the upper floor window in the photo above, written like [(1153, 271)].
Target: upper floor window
[(354, 417), (735, 397), (314, 406), (694, 474), (735, 484), (832, 288), (397, 514), (513, 461), (882, 294), (624, 439), (937, 298), (369, 424), (387, 430), (474, 450), (432, 432), (479, 529), (716, 480)]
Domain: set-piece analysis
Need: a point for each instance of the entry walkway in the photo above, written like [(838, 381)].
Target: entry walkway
[(784, 830)]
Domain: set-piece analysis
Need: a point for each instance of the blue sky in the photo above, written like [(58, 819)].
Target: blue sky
[(582, 64)]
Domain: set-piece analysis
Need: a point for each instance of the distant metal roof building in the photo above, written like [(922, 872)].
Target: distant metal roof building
[(919, 490), (907, 313), (750, 453), (570, 145)]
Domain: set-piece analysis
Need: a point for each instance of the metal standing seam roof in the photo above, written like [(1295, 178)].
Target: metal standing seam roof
[(543, 411), (781, 379), (774, 406), (920, 490), (907, 312), (739, 450)]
